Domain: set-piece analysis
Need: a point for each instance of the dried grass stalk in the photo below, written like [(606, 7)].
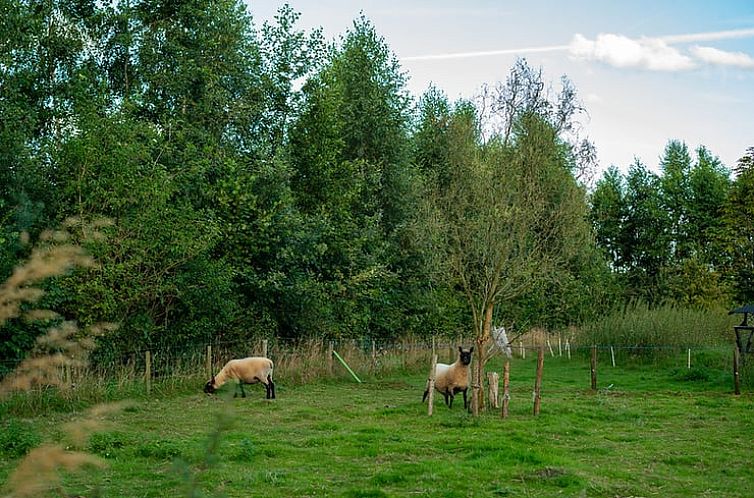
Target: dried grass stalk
[(38, 471)]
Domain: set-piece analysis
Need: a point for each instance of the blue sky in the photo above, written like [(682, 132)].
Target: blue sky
[(647, 71)]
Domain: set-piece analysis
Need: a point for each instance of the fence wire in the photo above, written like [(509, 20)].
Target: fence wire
[(307, 361)]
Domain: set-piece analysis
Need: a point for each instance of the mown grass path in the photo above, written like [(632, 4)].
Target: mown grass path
[(649, 434)]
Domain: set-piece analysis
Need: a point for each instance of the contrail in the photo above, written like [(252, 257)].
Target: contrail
[(715, 35), (686, 38), (465, 55)]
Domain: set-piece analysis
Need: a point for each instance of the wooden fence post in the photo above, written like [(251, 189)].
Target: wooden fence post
[(736, 376), (374, 358), (560, 346), (264, 348), (431, 383), (594, 368), (688, 362), (538, 380), (506, 387), (493, 380), (612, 356), (568, 348), (329, 358), (209, 361), (148, 372)]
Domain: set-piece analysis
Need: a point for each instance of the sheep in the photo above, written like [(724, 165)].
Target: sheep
[(452, 379), (250, 370)]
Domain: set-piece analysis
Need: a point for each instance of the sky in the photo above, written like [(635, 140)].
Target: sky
[(646, 71)]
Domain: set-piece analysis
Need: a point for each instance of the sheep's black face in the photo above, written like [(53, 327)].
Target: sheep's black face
[(465, 355), (209, 388)]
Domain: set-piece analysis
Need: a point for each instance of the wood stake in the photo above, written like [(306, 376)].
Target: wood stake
[(568, 348), (612, 356), (506, 387), (736, 376), (688, 363), (209, 362), (374, 358), (493, 380), (560, 347), (431, 383), (264, 348), (329, 358), (538, 380)]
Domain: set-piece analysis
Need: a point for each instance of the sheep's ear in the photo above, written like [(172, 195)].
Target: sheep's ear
[(460, 349), (471, 349)]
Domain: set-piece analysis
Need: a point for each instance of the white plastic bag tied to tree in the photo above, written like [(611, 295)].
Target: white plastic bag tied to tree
[(501, 339)]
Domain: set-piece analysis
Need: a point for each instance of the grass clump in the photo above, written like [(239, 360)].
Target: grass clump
[(17, 438)]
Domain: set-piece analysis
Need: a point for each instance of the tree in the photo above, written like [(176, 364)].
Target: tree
[(710, 184), (738, 229), (676, 191), (351, 178), (607, 213), (646, 241), (510, 214)]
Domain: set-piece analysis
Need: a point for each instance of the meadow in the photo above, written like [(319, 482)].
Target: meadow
[(648, 430)]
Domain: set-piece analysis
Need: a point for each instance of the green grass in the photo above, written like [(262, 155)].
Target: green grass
[(646, 432)]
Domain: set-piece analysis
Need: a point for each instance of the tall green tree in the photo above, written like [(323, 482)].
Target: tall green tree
[(676, 192), (352, 178), (710, 184), (608, 213), (510, 217), (646, 240), (738, 229)]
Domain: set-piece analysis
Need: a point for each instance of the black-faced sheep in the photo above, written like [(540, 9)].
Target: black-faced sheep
[(452, 379), (250, 370)]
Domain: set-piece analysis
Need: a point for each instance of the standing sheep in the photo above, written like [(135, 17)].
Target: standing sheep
[(250, 370), (452, 379)]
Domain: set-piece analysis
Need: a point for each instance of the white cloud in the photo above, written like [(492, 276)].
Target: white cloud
[(721, 57), (624, 52), (650, 53)]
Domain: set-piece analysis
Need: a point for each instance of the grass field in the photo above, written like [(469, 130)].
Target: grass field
[(647, 432)]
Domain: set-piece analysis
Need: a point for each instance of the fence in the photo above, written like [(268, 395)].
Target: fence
[(143, 370)]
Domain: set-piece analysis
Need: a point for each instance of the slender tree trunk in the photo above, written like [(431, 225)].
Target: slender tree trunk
[(483, 335)]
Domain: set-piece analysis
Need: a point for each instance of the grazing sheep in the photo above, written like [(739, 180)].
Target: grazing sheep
[(247, 371), (452, 379)]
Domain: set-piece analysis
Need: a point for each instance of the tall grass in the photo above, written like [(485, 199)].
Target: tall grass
[(660, 335), (185, 371), (639, 325), (62, 348)]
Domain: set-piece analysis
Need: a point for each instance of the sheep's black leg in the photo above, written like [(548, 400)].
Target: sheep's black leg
[(243, 393), (445, 394), (424, 396), (272, 387), (450, 396), (464, 399)]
